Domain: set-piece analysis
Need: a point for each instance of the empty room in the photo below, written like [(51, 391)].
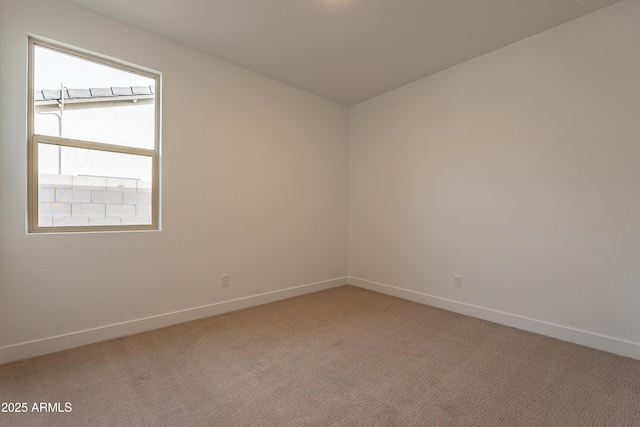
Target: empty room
[(319, 213)]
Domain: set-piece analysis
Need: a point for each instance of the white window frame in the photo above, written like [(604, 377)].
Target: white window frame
[(35, 139)]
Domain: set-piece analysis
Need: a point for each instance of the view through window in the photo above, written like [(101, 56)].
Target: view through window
[(93, 142)]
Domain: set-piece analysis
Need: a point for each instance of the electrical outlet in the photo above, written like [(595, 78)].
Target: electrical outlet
[(224, 281), (457, 281)]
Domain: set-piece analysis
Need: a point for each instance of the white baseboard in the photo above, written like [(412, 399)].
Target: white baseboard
[(76, 339), (576, 336)]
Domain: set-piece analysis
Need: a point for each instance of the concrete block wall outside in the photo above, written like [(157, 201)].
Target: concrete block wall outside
[(87, 200)]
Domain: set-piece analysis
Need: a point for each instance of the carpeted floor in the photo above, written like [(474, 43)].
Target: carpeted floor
[(341, 357)]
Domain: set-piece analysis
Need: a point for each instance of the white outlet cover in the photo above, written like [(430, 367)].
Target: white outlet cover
[(457, 281)]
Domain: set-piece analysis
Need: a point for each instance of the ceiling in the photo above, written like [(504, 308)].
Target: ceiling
[(345, 50)]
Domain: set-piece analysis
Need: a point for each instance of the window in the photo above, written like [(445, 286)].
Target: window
[(93, 149)]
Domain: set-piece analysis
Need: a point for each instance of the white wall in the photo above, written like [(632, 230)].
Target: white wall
[(264, 165), (519, 171)]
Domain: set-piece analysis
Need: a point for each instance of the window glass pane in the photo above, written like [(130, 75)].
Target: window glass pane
[(80, 99), (81, 187)]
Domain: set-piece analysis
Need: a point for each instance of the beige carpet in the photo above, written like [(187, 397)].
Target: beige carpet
[(341, 357)]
